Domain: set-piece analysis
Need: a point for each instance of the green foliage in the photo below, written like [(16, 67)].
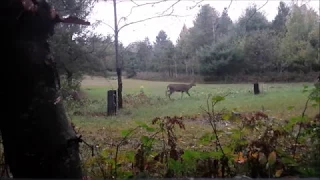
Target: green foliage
[(250, 23), (279, 22), (221, 58), (76, 50), (138, 57), (217, 48), (216, 99), (163, 53), (207, 138)]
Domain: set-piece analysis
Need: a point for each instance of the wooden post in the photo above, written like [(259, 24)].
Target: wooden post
[(256, 89), (112, 102)]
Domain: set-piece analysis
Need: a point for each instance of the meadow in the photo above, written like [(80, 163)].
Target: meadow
[(274, 99), (188, 128)]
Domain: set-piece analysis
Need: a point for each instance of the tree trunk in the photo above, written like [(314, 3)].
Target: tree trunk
[(186, 68), (256, 89), (38, 140), (169, 68), (175, 68), (116, 47)]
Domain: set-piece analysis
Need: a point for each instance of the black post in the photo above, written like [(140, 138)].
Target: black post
[(112, 102), (256, 89)]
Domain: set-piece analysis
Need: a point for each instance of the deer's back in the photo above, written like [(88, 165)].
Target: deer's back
[(179, 87)]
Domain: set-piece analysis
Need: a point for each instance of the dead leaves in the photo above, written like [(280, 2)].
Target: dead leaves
[(252, 117), (240, 159), (278, 172), (272, 158)]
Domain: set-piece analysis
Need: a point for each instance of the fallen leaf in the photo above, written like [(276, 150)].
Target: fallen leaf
[(272, 158), (278, 172), (255, 155)]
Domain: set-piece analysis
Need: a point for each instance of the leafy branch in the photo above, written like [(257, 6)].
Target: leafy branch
[(314, 95), (213, 116), (126, 134)]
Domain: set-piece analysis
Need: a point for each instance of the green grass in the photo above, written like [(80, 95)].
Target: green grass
[(275, 99), (106, 131)]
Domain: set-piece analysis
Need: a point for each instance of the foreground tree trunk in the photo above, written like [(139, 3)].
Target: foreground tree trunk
[(38, 140)]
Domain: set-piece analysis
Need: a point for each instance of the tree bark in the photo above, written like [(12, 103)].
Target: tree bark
[(116, 47), (38, 139)]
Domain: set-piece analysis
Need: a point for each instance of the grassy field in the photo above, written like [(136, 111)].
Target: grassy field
[(109, 133), (275, 99)]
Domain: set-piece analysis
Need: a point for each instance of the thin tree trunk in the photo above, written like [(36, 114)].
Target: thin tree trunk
[(186, 68), (175, 68), (192, 70), (116, 46), (38, 139), (169, 68)]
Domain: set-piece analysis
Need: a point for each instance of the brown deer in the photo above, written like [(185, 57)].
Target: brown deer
[(171, 88)]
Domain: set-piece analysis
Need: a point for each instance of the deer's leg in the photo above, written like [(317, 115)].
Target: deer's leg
[(170, 94), (188, 93), (181, 94)]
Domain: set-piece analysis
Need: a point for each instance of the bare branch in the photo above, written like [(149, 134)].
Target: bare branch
[(140, 5), (154, 17), (134, 3), (100, 21), (229, 5), (170, 7), (196, 5), (149, 3)]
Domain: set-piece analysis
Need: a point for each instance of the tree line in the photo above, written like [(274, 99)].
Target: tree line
[(215, 46)]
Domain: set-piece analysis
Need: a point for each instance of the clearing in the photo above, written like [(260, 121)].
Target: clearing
[(275, 99), (196, 136)]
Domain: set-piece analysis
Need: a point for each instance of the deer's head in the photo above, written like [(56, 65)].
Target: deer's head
[(192, 83)]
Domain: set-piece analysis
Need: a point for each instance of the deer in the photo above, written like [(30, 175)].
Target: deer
[(171, 88)]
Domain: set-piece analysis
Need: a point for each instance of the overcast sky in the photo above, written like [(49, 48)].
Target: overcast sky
[(171, 25)]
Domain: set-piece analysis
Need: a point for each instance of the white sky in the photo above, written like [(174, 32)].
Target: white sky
[(171, 25)]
